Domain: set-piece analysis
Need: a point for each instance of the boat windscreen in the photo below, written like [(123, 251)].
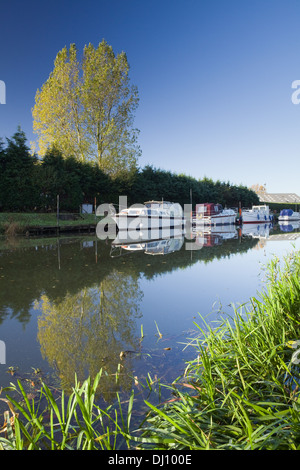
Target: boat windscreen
[(286, 212)]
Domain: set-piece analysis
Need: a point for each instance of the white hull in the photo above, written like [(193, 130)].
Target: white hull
[(127, 222), (220, 219), (254, 220), (289, 218)]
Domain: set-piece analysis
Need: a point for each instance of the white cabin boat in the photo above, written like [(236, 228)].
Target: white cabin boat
[(258, 214), (213, 214), (287, 215), (150, 215)]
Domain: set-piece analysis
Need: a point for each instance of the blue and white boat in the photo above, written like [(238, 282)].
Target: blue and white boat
[(288, 215)]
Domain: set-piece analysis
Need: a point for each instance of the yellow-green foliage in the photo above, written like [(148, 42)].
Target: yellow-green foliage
[(86, 108)]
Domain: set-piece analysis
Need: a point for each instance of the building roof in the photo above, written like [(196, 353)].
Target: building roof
[(289, 198)]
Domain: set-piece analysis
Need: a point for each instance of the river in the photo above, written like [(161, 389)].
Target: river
[(78, 304)]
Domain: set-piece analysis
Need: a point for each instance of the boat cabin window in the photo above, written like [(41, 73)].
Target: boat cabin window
[(152, 212)]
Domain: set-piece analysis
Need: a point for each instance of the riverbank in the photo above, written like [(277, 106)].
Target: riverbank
[(240, 393), (41, 224), (15, 223)]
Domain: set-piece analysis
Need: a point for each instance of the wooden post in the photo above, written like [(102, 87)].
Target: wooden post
[(57, 212)]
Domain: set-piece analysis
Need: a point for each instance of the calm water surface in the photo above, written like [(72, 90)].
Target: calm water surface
[(72, 305)]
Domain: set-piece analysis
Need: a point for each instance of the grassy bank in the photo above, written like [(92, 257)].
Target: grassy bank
[(241, 392), (14, 223)]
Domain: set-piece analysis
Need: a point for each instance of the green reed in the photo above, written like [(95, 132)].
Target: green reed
[(243, 384), (75, 422)]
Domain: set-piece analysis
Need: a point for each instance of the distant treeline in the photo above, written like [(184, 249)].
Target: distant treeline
[(28, 183)]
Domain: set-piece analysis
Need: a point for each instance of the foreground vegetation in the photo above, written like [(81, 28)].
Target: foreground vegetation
[(240, 393)]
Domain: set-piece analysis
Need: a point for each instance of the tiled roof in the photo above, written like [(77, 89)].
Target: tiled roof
[(290, 198)]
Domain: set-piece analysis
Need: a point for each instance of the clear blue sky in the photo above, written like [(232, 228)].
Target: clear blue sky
[(214, 78)]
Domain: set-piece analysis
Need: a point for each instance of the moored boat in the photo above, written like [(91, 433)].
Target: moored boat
[(150, 215), (213, 214), (258, 214), (288, 215)]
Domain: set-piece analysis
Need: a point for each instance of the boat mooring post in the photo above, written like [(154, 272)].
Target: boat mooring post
[(240, 213), (57, 213)]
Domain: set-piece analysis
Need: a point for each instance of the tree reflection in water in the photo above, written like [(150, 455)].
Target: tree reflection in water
[(84, 332)]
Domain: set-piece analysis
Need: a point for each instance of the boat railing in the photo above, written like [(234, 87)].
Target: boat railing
[(200, 216)]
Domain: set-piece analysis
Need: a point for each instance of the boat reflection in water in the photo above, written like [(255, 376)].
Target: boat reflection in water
[(289, 226), (166, 241), (152, 242), (214, 235), (169, 240), (258, 230)]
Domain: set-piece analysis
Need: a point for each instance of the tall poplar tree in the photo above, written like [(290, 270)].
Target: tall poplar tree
[(86, 109)]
